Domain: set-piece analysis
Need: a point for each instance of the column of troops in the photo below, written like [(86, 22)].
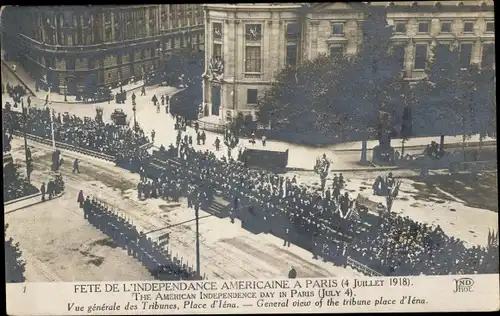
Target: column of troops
[(151, 254)]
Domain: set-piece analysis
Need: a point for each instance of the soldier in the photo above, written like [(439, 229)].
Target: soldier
[(75, 166)]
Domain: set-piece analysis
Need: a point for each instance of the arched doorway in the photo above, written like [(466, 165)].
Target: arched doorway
[(215, 99)]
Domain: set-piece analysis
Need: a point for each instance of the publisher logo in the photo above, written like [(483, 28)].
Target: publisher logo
[(463, 285)]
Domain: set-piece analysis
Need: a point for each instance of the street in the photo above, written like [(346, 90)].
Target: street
[(227, 250)]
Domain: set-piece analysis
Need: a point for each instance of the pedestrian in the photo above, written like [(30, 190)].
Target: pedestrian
[(162, 99), (217, 144), (50, 189), (167, 99), (203, 137), (143, 91), (292, 274), (158, 108), (153, 133), (80, 199), (133, 98), (264, 140), (154, 99), (286, 237), (75, 166), (166, 109), (42, 190), (198, 138), (29, 101), (196, 127)]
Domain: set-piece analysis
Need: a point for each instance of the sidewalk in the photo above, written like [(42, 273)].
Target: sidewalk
[(416, 142), (29, 84)]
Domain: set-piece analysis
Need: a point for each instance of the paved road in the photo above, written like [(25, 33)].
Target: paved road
[(58, 245), (227, 250)]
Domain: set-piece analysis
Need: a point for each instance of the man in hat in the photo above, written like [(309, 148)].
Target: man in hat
[(80, 199)]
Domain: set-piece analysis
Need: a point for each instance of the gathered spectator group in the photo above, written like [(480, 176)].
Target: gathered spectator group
[(326, 221)]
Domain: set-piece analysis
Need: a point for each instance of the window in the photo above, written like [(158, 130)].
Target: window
[(400, 27), (252, 96), (445, 27), (70, 64), (399, 52), (217, 52), (253, 32), (465, 54), (217, 31), (490, 27), (441, 53), (336, 50), (252, 59), (420, 56), (488, 61), (338, 29), (423, 27), (468, 27), (291, 55), (292, 31)]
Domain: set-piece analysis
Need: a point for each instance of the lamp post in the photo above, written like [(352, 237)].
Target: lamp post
[(66, 90), (196, 212), (135, 120), (26, 155)]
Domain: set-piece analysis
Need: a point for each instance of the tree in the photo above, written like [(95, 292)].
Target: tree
[(339, 95), (14, 264), (457, 99)]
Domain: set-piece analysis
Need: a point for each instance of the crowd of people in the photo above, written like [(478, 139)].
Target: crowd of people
[(328, 223), (154, 256), (16, 92), (85, 133), (14, 185)]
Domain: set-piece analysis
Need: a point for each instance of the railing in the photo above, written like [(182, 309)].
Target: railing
[(362, 268), (212, 127), (65, 146)]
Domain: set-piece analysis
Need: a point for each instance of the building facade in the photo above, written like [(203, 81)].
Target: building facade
[(65, 44), (246, 45)]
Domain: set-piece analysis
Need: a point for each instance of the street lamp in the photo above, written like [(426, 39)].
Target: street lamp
[(135, 120), (26, 150), (65, 90)]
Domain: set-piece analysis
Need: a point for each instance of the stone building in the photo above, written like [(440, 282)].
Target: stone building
[(65, 44), (247, 44)]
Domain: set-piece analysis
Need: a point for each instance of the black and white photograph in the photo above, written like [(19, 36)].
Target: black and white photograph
[(249, 141)]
